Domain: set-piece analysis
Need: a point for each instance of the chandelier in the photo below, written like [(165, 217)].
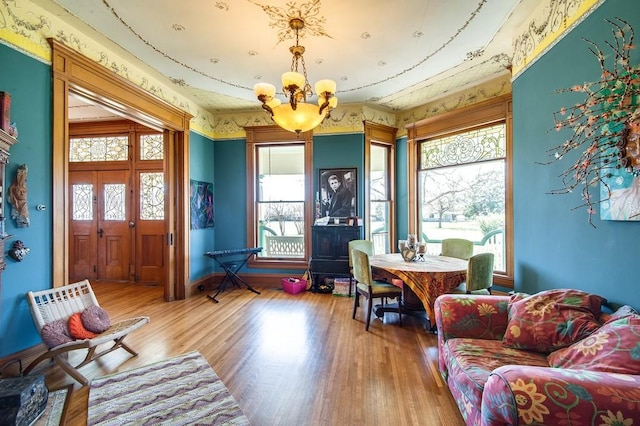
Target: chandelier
[(297, 115)]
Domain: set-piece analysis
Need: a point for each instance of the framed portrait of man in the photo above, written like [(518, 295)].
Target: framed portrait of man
[(338, 193)]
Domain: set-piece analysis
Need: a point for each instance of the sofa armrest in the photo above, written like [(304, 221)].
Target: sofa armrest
[(473, 316), (468, 315), (545, 395)]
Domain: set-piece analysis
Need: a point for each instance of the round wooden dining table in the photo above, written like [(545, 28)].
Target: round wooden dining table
[(424, 279)]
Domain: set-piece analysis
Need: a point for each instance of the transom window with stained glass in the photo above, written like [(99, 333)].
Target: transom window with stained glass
[(101, 148), (152, 147)]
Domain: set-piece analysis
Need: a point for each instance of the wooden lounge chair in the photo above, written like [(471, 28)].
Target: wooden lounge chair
[(60, 303)]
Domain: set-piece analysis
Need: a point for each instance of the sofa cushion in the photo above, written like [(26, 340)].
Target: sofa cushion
[(95, 319), (472, 360), (56, 333), (551, 319), (614, 348), (77, 329)]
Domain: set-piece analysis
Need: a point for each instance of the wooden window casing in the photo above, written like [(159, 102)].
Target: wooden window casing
[(383, 136), (485, 113), (274, 136)]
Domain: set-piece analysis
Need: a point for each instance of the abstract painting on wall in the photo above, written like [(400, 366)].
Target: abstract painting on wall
[(620, 186), (201, 195)]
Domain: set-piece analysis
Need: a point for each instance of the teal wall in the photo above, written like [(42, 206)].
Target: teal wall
[(338, 151), (230, 187), (554, 245), (29, 83), (201, 240)]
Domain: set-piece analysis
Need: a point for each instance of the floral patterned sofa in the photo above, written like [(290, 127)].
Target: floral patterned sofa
[(552, 358)]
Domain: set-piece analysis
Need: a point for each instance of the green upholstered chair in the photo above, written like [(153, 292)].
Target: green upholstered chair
[(479, 275), (370, 288), (457, 247), (363, 245)]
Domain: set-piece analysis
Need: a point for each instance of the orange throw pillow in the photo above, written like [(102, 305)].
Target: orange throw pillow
[(77, 329)]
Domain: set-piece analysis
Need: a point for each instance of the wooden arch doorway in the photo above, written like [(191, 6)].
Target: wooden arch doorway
[(74, 72)]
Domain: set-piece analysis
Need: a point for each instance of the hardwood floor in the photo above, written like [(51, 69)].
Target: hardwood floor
[(287, 359)]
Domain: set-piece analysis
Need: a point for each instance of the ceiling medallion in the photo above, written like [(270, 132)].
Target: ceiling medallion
[(297, 115), (308, 12)]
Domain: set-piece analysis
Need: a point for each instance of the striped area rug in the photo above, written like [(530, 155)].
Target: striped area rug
[(178, 391)]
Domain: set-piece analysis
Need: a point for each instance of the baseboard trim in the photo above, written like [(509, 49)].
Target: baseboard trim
[(212, 281)]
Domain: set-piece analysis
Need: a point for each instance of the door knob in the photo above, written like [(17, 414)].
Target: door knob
[(132, 224)]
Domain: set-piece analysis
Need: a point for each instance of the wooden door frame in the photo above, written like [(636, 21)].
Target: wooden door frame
[(72, 71)]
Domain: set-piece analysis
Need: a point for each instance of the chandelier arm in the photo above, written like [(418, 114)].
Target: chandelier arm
[(293, 98), (263, 98), (323, 106), (267, 108)]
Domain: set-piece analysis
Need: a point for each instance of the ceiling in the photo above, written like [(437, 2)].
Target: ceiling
[(390, 55)]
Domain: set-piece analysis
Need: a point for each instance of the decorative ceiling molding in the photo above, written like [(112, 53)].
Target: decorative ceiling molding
[(350, 118), (482, 92), (218, 114), (551, 21), (27, 27)]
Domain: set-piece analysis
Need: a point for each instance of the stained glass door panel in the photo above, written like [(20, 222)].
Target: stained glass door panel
[(83, 250), (114, 230)]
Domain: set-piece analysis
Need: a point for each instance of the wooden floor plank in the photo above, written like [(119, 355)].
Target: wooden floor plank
[(287, 359)]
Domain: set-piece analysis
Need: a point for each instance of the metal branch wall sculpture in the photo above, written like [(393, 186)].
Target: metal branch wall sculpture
[(605, 127)]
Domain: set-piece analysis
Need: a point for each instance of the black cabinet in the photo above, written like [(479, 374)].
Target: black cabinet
[(330, 251)]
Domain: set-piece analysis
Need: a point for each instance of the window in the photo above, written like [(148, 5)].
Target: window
[(380, 157), (152, 196), (463, 181), (461, 190), (280, 207), (99, 148), (152, 147), (151, 183), (82, 202), (280, 200)]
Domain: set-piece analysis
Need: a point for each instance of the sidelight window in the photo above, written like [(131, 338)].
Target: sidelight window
[(152, 196)]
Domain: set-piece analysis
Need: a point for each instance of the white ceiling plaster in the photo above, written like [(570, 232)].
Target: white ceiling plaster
[(391, 55)]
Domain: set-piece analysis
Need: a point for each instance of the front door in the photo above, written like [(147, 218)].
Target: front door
[(101, 226)]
